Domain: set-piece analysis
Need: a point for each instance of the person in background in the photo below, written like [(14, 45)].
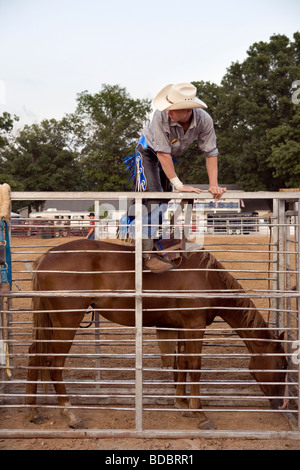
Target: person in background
[(91, 234)]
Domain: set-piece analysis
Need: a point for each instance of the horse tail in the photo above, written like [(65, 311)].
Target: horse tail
[(167, 346), (43, 330)]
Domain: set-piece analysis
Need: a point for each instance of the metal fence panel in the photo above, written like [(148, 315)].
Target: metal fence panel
[(113, 373)]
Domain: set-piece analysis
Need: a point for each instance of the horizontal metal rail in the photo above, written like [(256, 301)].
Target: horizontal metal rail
[(94, 195)]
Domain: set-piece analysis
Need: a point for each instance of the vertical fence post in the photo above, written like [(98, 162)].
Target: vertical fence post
[(138, 317), (275, 243), (290, 246), (2, 349), (97, 217), (297, 244), (97, 316), (97, 349), (281, 242), (279, 236)]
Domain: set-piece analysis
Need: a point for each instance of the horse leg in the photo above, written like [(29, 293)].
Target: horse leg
[(33, 414), (55, 362), (181, 401), (193, 349)]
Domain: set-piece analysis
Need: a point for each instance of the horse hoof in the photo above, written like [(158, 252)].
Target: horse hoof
[(189, 414), (207, 425), (79, 424), (73, 420), (38, 419), (181, 404)]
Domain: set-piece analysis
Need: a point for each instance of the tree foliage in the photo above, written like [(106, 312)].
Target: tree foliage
[(256, 120), (284, 158), (6, 127), (41, 159), (83, 151), (112, 121)]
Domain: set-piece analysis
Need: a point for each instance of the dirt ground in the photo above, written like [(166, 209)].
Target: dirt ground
[(148, 444), (14, 418)]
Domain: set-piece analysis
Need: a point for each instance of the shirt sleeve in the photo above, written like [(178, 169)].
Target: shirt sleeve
[(157, 135), (207, 140)]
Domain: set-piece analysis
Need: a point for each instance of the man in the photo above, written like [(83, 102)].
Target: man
[(91, 233), (178, 121)]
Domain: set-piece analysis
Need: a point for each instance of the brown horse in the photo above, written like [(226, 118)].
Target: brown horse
[(86, 265)]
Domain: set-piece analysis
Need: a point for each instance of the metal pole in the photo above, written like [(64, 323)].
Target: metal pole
[(2, 349), (147, 434), (288, 302), (97, 348), (297, 240), (281, 262), (97, 216), (138, 317), (274, 240)]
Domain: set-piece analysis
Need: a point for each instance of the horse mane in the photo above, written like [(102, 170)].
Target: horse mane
[(251, 316)]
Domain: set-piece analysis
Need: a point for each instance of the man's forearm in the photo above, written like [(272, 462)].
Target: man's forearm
[(212, 170), (169, 170), (167, 164)]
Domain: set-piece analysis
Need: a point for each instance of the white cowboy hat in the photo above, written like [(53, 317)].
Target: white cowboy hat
[(179, 96)]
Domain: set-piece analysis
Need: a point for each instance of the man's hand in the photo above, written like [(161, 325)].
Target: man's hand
[(216, 191), (190, 189)]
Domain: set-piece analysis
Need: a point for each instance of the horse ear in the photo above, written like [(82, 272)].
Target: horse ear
[(281, 336)]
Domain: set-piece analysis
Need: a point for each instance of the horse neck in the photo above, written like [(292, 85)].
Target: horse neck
[(239, 313), (252, 321)]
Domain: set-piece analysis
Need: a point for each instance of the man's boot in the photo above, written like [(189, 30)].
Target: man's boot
[(157, 264)]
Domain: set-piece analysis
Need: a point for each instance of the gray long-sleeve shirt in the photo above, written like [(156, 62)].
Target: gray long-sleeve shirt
[(165, 136)]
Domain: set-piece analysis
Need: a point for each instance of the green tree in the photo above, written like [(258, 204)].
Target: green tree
[(256, 99), (42, 157), (6, 127), (256, 120), (284, 158), (112, 121)]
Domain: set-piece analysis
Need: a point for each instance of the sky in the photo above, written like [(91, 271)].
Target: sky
[(51, 50)]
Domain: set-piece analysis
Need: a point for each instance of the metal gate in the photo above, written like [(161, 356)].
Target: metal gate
[(114, 375)]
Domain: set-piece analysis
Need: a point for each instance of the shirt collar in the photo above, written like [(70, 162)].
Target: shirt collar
[(193, 122)]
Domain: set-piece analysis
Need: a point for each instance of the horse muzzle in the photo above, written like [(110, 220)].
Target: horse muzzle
[(279, 403)]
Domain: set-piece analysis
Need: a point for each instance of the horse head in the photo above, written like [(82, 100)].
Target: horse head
[(270, 372)]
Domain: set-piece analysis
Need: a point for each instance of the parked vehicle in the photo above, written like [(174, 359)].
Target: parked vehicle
[(233, 223), (52, 224)]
